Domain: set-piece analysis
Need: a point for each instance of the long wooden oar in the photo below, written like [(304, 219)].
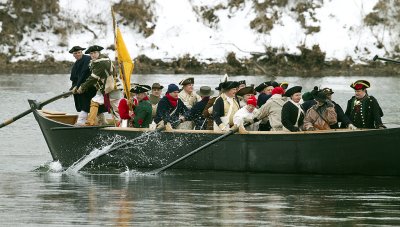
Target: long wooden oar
[(40, 105), (197, 150), (385, 59)]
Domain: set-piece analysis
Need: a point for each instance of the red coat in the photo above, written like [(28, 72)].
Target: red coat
[(123, 108)]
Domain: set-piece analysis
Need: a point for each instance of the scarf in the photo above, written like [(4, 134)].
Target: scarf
[(173, 101)]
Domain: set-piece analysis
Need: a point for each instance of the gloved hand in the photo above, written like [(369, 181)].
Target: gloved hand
[(352, 127), (242, 130), (311, 129), (248, 120), (74, 90), (168, 127), (79, 91), (222, 127), (234, 128)]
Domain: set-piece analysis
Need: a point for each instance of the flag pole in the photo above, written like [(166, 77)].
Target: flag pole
[(120, 64)]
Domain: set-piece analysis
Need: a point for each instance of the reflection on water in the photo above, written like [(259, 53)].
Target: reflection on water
[(177, 198), (181, 198)]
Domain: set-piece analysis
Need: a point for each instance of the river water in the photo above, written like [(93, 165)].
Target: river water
[(34, 196)]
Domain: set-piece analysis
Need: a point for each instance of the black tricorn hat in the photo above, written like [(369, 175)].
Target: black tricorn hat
[(245, 91), (242, 82), (93, 48), (219, 86), (157, 86), (75, 48), (140, 89), (289, 92), (261, 86), (227, 85), (205, 91), (186, 81)]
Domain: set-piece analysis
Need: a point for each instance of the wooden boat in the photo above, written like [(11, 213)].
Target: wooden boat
[(342, 152)]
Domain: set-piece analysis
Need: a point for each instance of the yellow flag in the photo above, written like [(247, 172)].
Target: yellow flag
[(125, 62)]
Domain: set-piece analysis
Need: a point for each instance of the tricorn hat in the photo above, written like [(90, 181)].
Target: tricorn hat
[(205, 91), (219, 86), (76, 48), (360, 85), (157, 86), (186, 81), (261, 87), (293, 90), (140, 89), (227, 85), (93, 49), (245, 91), (242, 82)]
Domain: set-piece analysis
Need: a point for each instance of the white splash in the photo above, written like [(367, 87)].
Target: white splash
[(55, 167), (74, 168)]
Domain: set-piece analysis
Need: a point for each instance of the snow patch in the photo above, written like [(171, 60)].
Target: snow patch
[(180, 30)]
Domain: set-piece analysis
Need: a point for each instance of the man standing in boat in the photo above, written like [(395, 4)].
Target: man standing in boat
[(225, 106), (79, 73), (171, 110), (364, 110), (189, 98), (101, 69), (292, 113)]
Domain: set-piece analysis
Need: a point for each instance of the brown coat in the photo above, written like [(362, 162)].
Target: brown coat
[(314, 120)]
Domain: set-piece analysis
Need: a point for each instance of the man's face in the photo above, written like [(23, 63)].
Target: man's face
[(231, 92), (296, 97), (77, 54), (250, 108), (141, 96), (359, 94), (174, 94), (268, 90), (156, 92), (188, 88), (94, 55), (246, 97)]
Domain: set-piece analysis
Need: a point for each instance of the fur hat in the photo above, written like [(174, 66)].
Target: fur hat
[(320, 96)]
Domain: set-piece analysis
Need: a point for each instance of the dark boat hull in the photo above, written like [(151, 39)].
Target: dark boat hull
[(364, 152)]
